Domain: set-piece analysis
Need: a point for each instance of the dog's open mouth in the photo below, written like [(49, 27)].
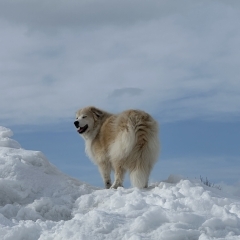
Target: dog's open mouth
[(82, 129)]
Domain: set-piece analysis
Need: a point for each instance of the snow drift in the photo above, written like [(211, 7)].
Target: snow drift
[(37, 201)]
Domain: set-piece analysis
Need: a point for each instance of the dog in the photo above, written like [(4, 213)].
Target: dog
[(120, 142)]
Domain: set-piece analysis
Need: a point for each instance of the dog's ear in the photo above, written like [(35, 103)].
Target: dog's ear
[(96, 112)]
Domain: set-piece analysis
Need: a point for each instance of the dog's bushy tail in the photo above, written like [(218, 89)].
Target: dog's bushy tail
[(145, 152), (145, 160)]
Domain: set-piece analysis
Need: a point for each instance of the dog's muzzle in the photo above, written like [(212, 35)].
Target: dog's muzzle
[(76, 123), (80, 129)]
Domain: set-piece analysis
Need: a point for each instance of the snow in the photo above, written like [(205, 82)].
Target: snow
[(37, 201)]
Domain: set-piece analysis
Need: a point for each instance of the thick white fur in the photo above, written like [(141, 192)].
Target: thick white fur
[(123, 142)]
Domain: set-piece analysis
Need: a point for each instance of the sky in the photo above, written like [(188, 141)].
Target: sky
[(177, 60)]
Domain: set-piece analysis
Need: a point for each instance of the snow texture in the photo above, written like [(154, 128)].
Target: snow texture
[(37, 201)]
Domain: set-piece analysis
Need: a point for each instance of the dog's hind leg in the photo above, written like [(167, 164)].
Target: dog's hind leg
[(119, 173), (105, 170), (141, 168), (139, 177)]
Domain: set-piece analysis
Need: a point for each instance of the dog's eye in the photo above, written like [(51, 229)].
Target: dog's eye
[(84, 116)]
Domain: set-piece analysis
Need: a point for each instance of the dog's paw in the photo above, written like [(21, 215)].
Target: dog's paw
[(108, 185), (116, 185)]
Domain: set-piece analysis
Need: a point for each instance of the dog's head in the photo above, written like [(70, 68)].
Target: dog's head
[(86, 120)]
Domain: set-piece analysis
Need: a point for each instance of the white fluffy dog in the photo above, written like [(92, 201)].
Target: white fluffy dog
[(120, 142)]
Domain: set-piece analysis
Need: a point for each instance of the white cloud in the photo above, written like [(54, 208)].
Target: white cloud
[(59, 56), (125, 92)]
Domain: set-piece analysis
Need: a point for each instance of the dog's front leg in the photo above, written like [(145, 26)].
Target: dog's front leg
[(105, 170)]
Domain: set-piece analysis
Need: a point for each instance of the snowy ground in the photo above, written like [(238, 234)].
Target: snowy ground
[(37, 201)]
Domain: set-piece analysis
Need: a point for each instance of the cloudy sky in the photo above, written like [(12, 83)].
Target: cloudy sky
[(178, 60)]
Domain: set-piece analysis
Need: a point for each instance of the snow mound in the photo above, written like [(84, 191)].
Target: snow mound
[(5, 140), (37, 201), (30, 187)]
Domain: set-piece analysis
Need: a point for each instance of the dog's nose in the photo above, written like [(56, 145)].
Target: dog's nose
[(76, 123)]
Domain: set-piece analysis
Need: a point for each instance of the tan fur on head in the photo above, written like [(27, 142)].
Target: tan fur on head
[(96, 112), (120, 142)]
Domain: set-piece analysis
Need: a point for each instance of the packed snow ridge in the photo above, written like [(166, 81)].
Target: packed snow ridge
[(37, 201)]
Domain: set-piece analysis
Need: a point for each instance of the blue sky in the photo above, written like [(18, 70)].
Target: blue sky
[(178, 60)]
